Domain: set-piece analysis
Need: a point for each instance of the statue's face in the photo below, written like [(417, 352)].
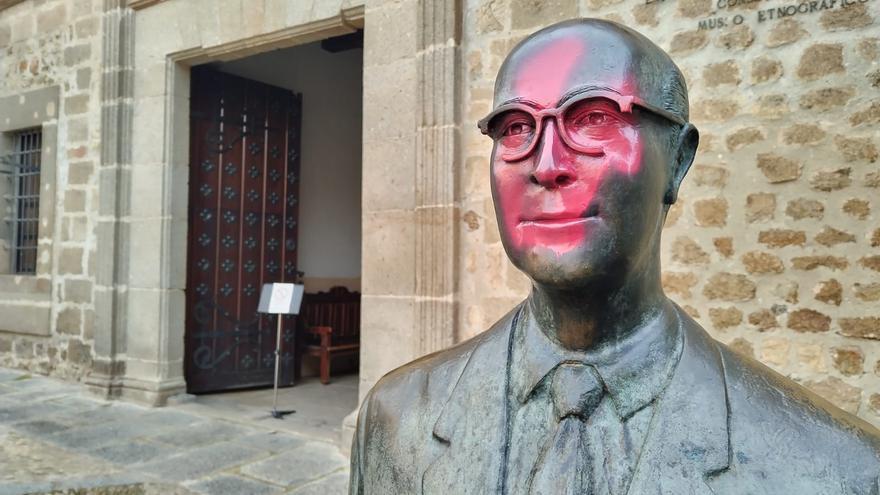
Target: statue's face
[(579, 196)]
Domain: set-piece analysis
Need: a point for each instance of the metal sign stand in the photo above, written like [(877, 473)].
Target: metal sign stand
[(275, 412), (280, 299)]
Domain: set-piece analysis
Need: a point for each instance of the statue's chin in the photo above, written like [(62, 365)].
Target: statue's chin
[(576, 268)]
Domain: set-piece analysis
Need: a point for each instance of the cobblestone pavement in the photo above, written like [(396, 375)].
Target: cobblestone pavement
[(56, 438)]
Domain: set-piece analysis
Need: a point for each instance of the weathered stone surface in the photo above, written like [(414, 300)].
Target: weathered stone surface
[(857, 208), (757, 262), (842, 394), (872, 179), (742, 346), (870, 115), (867, 292), (788, 291), (202, 461), (866, 327), (829, 292), (874, 402), (79, 353), (831, 180), (856, 149), (736, 38), (724, 246), (808, 320), (848, 360), (744, 137), (784, 32), (686, 250), (711, 212), (813, 262), (646, 14), (760, 207), (812, 357), (763, 319), (230, 485), (69, 321), (725, 317), (490, 16), (803, 134), (871, 262), (679, 283), (819, 60), (775, 351), (714, 110), (826, 98), (802, 208), (688, 41), (850, 17), (315, 459), (765, 69), (727, 286), (707, 175), (830, 236), (777, 168), (721, 73), (773, 106), (777, 238), (71, 261), (694, 8), (540, 13)]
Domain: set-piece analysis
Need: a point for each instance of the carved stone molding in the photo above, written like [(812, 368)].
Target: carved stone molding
[(437, 153), (117, 91)]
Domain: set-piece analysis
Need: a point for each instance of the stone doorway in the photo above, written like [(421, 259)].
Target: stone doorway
[(328, 76)]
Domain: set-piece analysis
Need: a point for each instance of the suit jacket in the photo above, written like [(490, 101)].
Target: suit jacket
[(725, 424)]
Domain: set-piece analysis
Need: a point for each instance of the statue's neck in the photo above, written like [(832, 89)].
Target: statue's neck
[(588, 317)]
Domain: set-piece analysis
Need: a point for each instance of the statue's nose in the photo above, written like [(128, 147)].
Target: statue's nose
[(552, 168)]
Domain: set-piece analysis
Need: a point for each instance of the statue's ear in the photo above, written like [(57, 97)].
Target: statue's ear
[(682, 157)]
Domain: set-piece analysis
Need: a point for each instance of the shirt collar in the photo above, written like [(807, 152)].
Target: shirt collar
[(635, 370)]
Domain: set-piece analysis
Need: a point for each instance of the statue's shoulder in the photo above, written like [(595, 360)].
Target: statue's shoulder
[(769, 412), (432, 376)]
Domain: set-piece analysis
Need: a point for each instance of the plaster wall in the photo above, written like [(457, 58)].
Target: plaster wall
[(774, 245)]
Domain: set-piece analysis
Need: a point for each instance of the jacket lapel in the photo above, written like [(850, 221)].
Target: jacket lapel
[(688, 441), (473, 426)]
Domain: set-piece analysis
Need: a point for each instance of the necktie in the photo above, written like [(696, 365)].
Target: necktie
[(564, 466)]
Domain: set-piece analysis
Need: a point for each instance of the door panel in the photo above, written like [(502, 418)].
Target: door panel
[(243, 212)]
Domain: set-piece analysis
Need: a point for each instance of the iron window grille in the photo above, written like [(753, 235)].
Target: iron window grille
[(23, 169)]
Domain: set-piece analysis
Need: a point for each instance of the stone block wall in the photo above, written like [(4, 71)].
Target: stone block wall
[(774, 245), (55, 45)]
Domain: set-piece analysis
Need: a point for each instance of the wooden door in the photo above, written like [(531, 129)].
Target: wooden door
[(243, 211)]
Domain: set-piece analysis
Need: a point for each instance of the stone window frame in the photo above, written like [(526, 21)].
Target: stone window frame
[(25, 300)]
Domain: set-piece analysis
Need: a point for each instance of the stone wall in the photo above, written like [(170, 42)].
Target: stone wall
[(774, 245), (55, 45)]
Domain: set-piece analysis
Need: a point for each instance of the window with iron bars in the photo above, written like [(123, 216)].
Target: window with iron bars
[(22, 168)]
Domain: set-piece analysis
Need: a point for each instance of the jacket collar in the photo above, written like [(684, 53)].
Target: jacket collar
[(688, 440), (634, 370)]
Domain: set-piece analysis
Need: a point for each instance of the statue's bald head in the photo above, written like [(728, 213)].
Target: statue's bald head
[(591, 52)]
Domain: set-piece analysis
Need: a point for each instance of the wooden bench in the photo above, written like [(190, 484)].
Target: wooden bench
[(331, 326)]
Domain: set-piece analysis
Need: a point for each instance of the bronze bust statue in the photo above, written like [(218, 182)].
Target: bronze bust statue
[(597, 383)]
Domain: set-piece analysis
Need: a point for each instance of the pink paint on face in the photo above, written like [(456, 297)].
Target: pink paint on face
[(560, 211)]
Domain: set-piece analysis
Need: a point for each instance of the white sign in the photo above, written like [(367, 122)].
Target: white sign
[(282, 299)]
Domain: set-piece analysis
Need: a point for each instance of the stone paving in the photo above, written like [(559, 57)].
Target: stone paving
[(57, 439)]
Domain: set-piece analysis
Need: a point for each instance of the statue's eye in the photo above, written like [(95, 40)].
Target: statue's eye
[(597, 118), (517, 128)]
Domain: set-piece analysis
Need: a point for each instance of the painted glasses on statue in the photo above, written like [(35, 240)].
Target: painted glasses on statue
[(585, 121)]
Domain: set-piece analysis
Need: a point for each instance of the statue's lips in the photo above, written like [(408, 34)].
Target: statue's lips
[(559, 220)]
